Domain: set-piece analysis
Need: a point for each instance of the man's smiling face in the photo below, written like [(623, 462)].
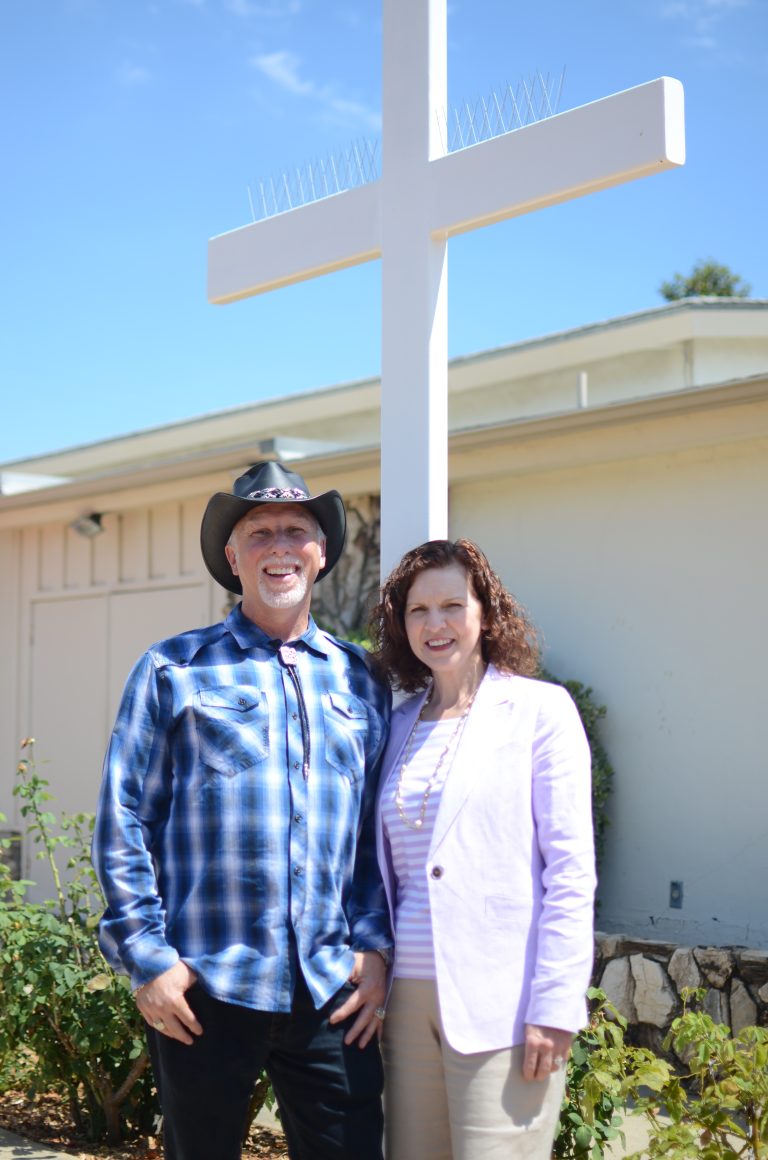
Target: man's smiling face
[(276, 550)]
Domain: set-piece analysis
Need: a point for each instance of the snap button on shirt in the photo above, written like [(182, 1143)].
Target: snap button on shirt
[(437, 871)]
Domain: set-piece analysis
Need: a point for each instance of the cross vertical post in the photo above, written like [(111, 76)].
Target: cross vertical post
[(414, 354)]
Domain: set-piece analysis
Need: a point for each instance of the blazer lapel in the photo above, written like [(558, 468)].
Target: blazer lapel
[(472, 761)]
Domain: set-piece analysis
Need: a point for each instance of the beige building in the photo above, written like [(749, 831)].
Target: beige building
[(617, 476)]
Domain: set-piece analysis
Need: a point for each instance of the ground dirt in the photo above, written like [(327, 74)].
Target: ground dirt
[(46, 1120)]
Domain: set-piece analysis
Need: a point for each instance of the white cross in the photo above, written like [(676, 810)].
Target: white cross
[(425, 196)]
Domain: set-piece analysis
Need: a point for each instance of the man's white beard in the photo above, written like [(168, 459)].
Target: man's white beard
[(289, 599)]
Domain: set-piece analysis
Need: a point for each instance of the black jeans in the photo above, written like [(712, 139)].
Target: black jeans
[(329, 1094)]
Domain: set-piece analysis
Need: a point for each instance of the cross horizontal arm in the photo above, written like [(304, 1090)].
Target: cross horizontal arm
[(298, 244), (619, 138)]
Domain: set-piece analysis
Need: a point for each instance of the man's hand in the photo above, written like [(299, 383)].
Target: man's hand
[(164, 1006), (369, 975), (546, 1050)]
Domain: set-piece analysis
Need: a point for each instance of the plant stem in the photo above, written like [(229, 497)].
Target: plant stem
[(33, 785)]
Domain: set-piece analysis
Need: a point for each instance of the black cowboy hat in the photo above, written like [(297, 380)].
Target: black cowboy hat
[(268, 482)]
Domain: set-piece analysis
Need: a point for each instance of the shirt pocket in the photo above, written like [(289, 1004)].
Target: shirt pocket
[(345, 720), (232, 726)]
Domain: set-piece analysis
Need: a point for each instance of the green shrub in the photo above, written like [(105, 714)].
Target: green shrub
[(603, 1075), (69, 1023), (602, 770), (718, 1108)]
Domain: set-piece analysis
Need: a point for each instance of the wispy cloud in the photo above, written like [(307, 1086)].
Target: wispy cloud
[(702, 19), (283, 68), (133, 75), (355, 111), (263, 7)]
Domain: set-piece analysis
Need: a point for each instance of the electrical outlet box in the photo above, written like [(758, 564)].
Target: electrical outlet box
[(676, 895)]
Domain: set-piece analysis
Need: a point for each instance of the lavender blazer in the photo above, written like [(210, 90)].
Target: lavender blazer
[(511, 870)]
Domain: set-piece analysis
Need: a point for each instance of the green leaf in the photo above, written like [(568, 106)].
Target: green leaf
[(98, 983), (583, 1137)]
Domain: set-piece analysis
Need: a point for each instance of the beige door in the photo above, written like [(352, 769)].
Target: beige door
[(139, 619), (82, 652), (67, 709)]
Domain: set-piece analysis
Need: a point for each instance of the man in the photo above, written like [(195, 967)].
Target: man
[(234, 843)]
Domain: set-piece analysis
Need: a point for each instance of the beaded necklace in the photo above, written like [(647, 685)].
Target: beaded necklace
[(418, 822)]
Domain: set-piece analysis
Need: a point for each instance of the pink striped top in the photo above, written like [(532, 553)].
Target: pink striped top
[(414, 953)]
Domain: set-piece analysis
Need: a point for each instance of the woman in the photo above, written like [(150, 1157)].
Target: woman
[(485, 846)]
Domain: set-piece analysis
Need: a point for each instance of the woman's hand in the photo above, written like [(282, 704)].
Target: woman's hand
[(546, 1050), (369, 976)]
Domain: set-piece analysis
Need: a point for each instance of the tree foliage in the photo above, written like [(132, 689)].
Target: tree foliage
[(707, 279)]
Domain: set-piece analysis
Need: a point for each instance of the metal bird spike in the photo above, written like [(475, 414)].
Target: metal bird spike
[(502, 111)]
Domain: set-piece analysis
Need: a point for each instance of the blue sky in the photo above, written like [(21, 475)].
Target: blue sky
[(131, 131)]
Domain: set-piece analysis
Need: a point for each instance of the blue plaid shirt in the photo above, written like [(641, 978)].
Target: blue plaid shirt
[(235, 823)]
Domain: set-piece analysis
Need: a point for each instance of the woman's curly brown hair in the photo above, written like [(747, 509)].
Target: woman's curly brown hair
[(509, 639)]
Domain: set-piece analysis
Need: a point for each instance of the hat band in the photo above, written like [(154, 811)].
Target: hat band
[(278, 493)]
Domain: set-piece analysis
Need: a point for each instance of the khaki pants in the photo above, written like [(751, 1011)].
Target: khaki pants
[(442, 1105)]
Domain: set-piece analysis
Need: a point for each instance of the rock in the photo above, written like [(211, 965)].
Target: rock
[(684, 969), (747, 955), (608, 945), (644, 1035), (655, 1001), (716, 964), (650, 948), (753, 967), (617, 983), (743, 1007), (716, 1005), (762, 994)]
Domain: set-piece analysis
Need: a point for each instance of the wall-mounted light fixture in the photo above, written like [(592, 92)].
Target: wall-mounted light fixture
[(88, 525)]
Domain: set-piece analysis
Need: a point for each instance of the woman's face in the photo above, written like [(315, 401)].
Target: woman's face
[(444, 620)]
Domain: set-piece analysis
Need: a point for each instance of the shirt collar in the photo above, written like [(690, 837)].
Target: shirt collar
[(248, 635)]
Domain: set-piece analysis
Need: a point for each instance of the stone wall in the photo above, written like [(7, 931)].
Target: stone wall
[(644, 979)]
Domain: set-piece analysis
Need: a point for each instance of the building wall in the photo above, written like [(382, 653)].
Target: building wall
[(648, 578), (720, 359), (10, 651), (78, 613)]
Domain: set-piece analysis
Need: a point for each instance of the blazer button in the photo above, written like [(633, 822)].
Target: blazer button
[(437, 871)]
